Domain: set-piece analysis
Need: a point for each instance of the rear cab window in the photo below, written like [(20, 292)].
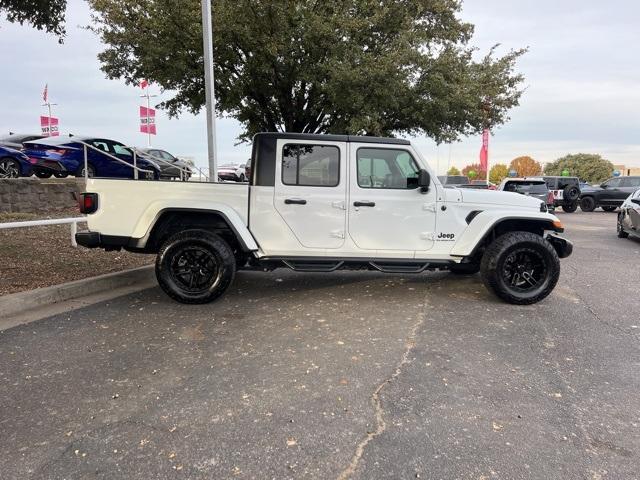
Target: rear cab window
[(310, 165)]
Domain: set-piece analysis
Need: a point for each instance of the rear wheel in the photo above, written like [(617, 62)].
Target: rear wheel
[(195, 266), (587, 204), (9, 168), (620, 228), (41, 174), (520, 267), (242, 178), (609, 208), (61, 175), (570, 208)]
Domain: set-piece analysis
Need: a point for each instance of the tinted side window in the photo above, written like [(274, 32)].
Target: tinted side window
[(386, 168), (631, 182), (614, 182), (310, 165)]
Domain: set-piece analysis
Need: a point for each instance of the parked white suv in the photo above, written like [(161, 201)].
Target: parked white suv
[(326, 202)]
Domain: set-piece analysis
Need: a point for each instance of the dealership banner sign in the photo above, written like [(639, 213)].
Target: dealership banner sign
[(148, 120), (49, 126)]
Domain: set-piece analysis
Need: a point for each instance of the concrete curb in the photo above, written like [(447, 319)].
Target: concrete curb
[(23, 301)]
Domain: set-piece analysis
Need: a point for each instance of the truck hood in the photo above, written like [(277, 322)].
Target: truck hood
[(493, 197)]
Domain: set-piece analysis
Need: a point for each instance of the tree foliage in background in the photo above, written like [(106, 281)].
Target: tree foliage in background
[(474, 167), (587, 166), (47, 15), (374, 67), (453, 171), (498, 172), (525, 166)]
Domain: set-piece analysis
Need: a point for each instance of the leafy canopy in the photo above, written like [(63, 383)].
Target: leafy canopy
[(47, 15), (474, 172), (372, 67), (525, 166), (587, 166), (453, 171), (498, 172)]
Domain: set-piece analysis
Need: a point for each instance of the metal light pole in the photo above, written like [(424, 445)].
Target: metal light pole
[(207, 38)]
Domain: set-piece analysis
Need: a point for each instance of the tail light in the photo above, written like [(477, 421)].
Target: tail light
[(88, 202), (550, 198)]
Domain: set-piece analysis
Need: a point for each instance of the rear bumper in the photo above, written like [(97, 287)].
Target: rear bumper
[(108, 242), (563, 247)]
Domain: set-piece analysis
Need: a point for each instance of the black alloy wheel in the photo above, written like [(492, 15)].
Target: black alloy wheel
[(570, 207), (520, 267), (9, 168), (195, 266), (587, 204)]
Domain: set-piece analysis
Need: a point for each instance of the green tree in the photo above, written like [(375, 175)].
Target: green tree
[(47, 15), (334, 66), (498, 173), (525, 166), (474, 172), (453, 171), (587, 166)]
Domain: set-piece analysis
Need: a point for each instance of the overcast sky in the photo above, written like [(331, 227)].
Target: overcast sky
[(582, 78)]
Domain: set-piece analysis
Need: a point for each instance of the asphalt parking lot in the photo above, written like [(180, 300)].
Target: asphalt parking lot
[(343, 375)]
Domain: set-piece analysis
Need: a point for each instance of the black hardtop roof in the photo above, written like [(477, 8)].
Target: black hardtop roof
[(333, 138)]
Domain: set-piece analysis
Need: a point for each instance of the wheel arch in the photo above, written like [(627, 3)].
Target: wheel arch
[(489, 227), (172, 220)]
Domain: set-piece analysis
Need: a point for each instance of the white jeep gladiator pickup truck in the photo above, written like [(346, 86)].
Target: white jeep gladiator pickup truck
[(319, 203)]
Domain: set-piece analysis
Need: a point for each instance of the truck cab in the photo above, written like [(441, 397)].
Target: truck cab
[(322, 203)]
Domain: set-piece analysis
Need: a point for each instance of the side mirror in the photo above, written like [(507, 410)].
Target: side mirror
[(424, 180)]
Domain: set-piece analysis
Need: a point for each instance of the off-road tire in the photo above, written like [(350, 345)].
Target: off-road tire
[(213, 249), (501, 249), (587, 204), (609, 208), (571, 193), (570, 208), (621, 232)]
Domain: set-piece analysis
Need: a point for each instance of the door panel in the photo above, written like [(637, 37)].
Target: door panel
[(387, 210), (311, 189)]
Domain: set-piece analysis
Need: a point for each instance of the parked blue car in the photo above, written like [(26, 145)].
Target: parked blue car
[(14, 164), (69, 152)]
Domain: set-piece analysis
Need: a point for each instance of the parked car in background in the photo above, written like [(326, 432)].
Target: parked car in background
[(235, 173), (531, 186), (566, 192), (448, 180), (15, 140), (610, 194), (629, 216), (13, 163), (170, 166), (69, 153)]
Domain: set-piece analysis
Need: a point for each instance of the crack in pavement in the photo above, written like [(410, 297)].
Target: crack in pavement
[(381, 425)]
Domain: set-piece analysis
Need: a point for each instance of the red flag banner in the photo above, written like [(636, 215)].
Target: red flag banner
[(147, 120), (484, 151), (49, 126)]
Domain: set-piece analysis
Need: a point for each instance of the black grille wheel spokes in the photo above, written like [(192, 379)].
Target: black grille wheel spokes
[(524, 269), (194, 269)]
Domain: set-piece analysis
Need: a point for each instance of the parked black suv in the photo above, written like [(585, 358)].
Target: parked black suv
[(610, 194), (566, 192)]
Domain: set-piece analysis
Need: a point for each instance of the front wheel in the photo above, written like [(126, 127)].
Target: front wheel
[(195, 266), (587, 204), (61, 175), (9, 168), (520, 267), (570, 208), (609, 208)]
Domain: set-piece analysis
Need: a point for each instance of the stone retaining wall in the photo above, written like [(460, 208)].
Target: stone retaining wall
[(35, 195)]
